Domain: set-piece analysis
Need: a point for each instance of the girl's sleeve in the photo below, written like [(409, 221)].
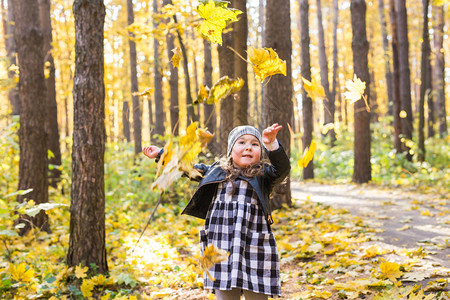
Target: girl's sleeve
[(280, 165)]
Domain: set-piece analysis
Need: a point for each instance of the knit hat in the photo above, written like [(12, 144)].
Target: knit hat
[(239, 131)]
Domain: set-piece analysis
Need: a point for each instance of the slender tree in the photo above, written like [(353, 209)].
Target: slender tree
[(307, 108), (10, 45), (126, 120), (360, 48), (335, 59), (209, 110), (278, 107), (137, 125), (173, 83), (226, 67), (328, 102), (32, 137), (87, 207), (387, 58), (240, 66), (425, 86), (157, 83), (395, 78), (51, 120), (439, 67), (404, 71)]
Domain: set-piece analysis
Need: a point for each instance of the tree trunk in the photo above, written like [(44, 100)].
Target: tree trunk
[(173, 83), (404, 71), (137, 125), (209, 110), (32, 137), (51, 120), (10, 45), (157, 83), (335, 62), (308, 124), (240, 66), (87, 209), (387, 58), (395, 78), (226, 105), (328, 102), (126, 121), (187, 79), (278, 107), (439, 68), (425, 78), (360, 48)]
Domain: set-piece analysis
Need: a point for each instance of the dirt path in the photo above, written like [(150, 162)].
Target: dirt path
[(405, 219)]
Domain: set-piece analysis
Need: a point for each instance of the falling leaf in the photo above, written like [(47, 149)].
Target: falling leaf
[(147, 92), (176, 57), (314, 90), (216, 17), (391, 270), (308, 155), (210, 257), (203, 94), (80, 272), (204, 136), (265, 62), (223, 88), (355, 89)]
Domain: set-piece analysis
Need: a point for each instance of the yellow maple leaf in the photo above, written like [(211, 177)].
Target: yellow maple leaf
[(204, 136), (314, 90), (265, 62), (216, 17), (203, 94), (355, 89), (80, 272), (86, 288), (308, 155), (21, 272), (391, 270), (223, 88), (176, 57), (211, 256), (420, 296)]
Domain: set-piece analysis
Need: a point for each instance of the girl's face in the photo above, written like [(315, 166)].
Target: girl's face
[(246, 151)]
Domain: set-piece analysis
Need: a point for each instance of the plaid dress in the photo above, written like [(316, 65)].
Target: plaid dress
[(236, 223)]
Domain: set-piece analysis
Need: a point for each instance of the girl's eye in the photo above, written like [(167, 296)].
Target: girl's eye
[(255, 144)]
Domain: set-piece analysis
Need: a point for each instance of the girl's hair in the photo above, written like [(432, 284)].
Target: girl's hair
[(226, 163)]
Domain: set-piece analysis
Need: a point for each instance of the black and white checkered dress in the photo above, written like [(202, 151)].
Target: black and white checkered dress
[(236, 223)]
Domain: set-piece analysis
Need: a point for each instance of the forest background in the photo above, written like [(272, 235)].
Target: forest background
[(395, 134)]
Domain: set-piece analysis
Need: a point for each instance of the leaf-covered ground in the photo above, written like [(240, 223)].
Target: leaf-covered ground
[(326, 253)]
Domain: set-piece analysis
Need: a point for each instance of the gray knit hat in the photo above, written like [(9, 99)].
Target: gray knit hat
[(239, 131)]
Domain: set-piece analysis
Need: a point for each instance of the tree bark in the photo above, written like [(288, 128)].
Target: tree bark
[(51, 120), (137, 124), (335, 62), (395, 78), (209, 110), (425, 77), (33, 161), (173, 83), (278, 107), (240, 66), (328, 102), (439, 68), (360, 48), (10, 45), (157, 83), (126, 121), (404, 71), (387, 58), (226, 56), (308, 124), (87, 209)]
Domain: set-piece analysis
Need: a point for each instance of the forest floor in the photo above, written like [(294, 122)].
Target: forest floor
[(402, 253)]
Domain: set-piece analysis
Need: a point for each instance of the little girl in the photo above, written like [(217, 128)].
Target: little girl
[(233, 198)]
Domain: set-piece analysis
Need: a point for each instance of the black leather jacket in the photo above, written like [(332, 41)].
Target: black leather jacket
[(212, 175)]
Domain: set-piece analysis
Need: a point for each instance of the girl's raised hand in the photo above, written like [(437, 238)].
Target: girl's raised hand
[(151, 151), (270, 133)]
